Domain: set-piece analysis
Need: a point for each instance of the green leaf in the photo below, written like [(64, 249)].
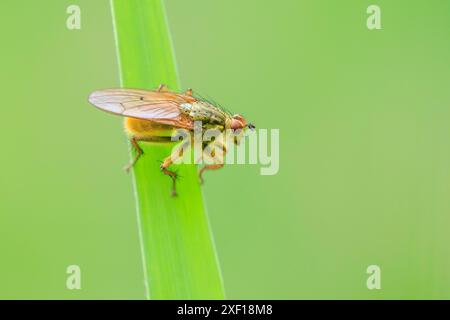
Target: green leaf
[(179, 257)]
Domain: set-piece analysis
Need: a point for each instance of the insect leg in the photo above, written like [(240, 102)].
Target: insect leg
[(214, 166), (162, 88), (167, 162), (139, 153), (208, 167), (176, 154)]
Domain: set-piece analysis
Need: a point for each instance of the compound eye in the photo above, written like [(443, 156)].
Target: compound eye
[(235, 124)]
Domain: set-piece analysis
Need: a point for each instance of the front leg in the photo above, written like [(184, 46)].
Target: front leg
[(208, 167), (214, 166)]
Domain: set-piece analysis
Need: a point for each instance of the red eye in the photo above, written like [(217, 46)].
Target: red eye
[(235, 124)]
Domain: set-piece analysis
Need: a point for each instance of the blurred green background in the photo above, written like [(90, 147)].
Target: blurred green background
[(364, 148)]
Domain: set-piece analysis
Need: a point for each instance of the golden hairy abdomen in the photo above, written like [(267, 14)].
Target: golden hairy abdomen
[(144, 128)]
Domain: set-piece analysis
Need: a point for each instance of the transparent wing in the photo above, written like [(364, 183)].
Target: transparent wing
[(142, 104)]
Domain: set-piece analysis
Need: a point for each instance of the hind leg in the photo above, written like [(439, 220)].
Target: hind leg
[(139, 153)]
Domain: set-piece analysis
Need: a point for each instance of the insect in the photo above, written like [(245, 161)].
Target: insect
[(153, 115)]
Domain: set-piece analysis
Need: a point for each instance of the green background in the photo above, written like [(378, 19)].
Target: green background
[(364, 148)]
